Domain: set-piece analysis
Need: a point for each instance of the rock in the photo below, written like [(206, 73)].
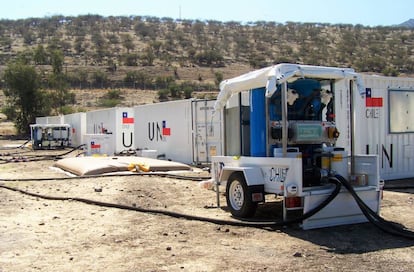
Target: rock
[(298, 254)]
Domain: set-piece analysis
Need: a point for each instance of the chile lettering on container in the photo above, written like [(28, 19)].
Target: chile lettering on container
[(372, 113)]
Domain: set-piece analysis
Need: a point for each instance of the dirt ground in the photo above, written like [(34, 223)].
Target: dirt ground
[(53, 235)]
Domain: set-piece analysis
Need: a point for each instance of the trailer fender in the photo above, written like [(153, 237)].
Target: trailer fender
[(253, 177)]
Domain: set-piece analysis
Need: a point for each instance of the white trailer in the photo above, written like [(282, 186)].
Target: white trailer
[(182, 130), (117, 121), (290, 131)]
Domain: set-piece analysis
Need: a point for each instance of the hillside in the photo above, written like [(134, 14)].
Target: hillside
[(102, 50), (145, 58), (408, 23)]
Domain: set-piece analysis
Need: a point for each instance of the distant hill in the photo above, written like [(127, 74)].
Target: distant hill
[(151, 53), (409, 23)]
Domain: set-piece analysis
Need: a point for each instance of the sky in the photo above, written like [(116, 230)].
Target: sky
[(364, 12)]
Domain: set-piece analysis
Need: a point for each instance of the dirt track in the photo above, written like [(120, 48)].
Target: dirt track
[(49, 235)]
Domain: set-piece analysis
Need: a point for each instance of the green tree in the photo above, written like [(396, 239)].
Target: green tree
[(99, 78), (187, 91), (128, 42), (56, 60), (111, 99), (23, 95), (40, 55), (174, 90), (163, 94), (59, 82), (130, 59), (148, 57), (218, 78)]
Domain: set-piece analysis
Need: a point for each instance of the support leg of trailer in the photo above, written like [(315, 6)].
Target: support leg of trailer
[(218, 194)]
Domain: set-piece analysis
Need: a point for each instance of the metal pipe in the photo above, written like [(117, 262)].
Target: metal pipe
[(267, 126), (352, 125), (284, 119)]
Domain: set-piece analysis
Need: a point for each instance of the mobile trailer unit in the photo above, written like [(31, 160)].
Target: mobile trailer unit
[(50, 136), (50, 132), (117, 121), (289, 131), (182, 130), (384, 124)]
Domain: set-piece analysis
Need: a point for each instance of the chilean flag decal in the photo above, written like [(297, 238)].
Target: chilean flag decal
[(166, 131), (372, 101), (126, 119), (94, 145)]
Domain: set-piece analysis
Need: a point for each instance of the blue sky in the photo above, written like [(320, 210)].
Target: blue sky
[(365, 12)]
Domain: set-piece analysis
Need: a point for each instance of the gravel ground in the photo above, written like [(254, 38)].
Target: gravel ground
[(53, 235)]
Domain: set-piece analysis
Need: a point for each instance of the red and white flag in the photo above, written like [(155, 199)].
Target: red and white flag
[(126, 119), (372, 101)]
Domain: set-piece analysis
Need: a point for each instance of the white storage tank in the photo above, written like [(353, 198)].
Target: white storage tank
[(99, 144), (118, 122)]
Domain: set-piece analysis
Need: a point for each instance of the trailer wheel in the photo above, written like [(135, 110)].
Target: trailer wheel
[(238, 196)]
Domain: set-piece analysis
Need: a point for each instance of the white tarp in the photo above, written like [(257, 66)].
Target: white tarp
[(277, 74)]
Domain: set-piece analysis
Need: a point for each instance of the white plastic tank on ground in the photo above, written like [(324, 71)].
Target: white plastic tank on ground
[(118, 122), (182, 130), (99, 144)]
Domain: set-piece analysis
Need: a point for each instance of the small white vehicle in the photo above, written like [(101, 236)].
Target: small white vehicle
[(289, 132)]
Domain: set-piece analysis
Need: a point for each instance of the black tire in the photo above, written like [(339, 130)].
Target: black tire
[(239, 197)]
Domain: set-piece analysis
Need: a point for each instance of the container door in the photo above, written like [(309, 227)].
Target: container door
[(207, 131)]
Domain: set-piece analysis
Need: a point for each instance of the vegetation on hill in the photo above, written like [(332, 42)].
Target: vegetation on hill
[(178, 57), (136, 42)]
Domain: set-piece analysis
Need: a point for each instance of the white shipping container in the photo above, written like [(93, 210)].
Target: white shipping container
[(380, 121), (41, 120), (116, 121), (54, 120), (77, 122), (182, 130), (384, 124)]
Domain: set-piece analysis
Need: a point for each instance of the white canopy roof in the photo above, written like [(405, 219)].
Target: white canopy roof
[(270, 76)]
